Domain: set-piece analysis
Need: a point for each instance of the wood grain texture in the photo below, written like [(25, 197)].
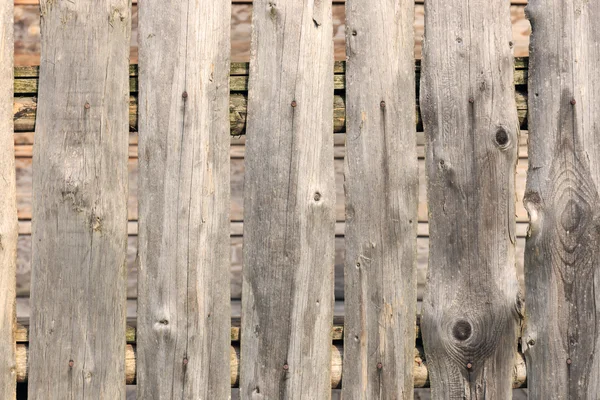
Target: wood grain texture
[(289, 200), (381, 185), (471, 309), (562, 278), (79, 215), (8, 209), (183, 249)]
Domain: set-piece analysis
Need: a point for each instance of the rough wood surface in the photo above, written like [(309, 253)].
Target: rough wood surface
[(381, 184), (471, 309), (183, 243), (562, 277), (289, 200), (8, 209), (80, 202)]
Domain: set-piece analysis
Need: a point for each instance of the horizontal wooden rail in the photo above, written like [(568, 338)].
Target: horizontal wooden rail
[(35, 2), (26, 82), (421, 374)]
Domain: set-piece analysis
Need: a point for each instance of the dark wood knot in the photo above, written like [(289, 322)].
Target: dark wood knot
[(462, 330)]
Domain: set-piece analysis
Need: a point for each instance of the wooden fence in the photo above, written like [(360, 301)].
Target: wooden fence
[(478, 335)]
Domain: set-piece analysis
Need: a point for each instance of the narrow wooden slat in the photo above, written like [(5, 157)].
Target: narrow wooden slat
[(561, 338), (381, 182), (80, 202), (184, 200), (8, 208), (471, 308), (289, 202)]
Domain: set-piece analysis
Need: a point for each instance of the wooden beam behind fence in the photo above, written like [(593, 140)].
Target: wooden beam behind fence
[(338, 379), (471, 311), (183, 281), (80, 202), (8, 208), (561, 338), (289, 201), (381, 183), (26, 82)]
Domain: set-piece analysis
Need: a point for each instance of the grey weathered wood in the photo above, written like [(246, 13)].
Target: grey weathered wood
[(562, 255), (471, 309), (8, 208), (381, 184), (80, 185), (289, 200), (184, 200)]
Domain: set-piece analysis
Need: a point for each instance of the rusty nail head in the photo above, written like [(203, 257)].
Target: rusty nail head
[(531, 342), (469, 365), (379, 365), (471, 100), (382, 104), (569, 361), (573, 102), (87, 106), (71, 363), (294, 104), (184, 95), (286, 367), (185, 361)]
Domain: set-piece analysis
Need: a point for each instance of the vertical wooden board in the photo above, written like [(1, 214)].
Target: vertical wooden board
[(289, 201), (381, 184), (471, 310), (562, 332), (79, 215), (183, 280), (8, 208)]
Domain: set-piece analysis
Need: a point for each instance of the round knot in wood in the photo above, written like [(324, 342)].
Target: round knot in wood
[(462, 330)]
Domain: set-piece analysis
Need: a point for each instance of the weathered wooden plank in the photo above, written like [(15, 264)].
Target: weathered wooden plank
[(183, 243), (471, 309), (80, 202), (562, 254), (8, 209), (289, 201), (381, 184)]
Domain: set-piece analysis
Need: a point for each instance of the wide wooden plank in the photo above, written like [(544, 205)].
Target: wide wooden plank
[(80, 203), (289, 202), (471, 309), (183, 195), (561, 338), (8, 209), (381, 184)]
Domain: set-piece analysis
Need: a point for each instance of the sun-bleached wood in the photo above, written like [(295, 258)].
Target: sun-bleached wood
[(79, 231), (289, 201), (183, 250), (381, 185), (562, 276), (471, 308), (8, 208)]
